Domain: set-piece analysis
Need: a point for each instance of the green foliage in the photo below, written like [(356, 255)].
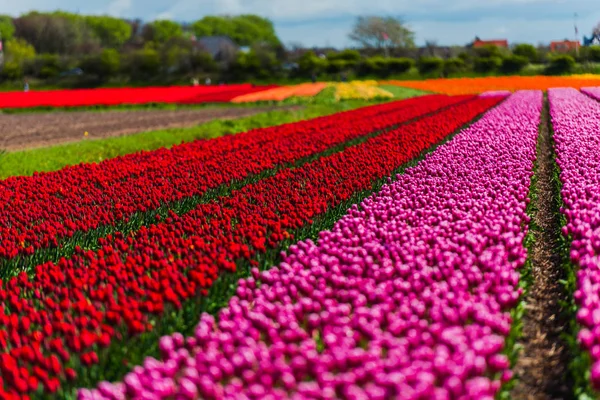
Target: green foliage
[(487, 65), (514, 64), (454, 65), (337, 66), (57, 33), (526, 50), (254, 64), (7, 28), (143, 63), (18, 51), (104, 65), (560, 64), (161, 31), (594, 53), (203, 62), (245, 30), (309, 63), (487, 51), (112, 32), (399, 65), (42, 66), (430, 65), (383, 67), (11, 70), (345, 55)]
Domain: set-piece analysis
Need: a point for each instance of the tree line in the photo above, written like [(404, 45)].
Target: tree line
[(93, 50)]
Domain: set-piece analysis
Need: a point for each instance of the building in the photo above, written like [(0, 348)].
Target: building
[(500, 43), (564, 46), (221, 48)]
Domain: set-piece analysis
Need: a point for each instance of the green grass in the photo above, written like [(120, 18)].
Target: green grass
[(53, 158), (402, 92)]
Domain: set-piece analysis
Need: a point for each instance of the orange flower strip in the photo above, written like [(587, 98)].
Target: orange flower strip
[(282, 93), (456, 86)]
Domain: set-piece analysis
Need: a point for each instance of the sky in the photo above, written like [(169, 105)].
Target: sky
[(328, 22)]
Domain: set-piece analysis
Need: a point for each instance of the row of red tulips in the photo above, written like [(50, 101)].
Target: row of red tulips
[(54, 323), (41, 210), (118, 96)]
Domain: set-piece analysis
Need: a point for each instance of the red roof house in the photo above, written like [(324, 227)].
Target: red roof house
[(564, 46), (501, 43)]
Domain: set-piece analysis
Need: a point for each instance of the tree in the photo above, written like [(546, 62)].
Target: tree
[(377, 32), (57, 33), (161, 31), (112, 32), (526, 50), (18, 50), (7, 28), (245, 30)]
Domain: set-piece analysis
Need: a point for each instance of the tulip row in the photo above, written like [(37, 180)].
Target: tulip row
[(282, 93), (593, 92), (55, 323), (576, 122), (456, 86), (40, 211), (406, 297), (117, 96)]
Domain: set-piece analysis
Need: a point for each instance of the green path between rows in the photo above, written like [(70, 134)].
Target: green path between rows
[(401, 92)]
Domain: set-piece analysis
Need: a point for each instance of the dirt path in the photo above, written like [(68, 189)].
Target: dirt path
[(25, 131), (542, 364)]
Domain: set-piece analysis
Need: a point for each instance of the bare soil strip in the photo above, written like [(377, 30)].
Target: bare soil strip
[(26, 131), (542, 366)]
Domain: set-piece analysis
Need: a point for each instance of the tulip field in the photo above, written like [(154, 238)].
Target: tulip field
[(391, 251)]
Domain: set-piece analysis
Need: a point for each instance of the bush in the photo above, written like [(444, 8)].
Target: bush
[(486, 65), (202, 61), (430, 65), (487, 51), (454, 65), (345, 55), (514, 64), (373, 66), (561, 64), (310, 64), (144, 63), (594, 53), (400, 65), (336, 66), (12, 70), (104, 65), (43, 66), (526, 50)]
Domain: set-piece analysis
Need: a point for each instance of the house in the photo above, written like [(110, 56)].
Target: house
[(564, 46), (500, 43), (221, 48)]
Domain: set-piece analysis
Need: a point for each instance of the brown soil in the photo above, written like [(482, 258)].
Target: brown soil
[(26, 131), (541, 368)]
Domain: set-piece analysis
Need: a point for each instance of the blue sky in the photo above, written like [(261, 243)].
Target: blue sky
[(327, 22)]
